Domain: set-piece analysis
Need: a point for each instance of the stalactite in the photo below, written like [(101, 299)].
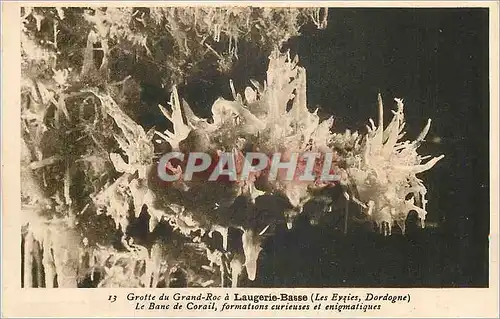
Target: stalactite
[(154, 264), (66, 256), (251, 248), (236, 270), (38, 263), (28, 260), (48, 264)]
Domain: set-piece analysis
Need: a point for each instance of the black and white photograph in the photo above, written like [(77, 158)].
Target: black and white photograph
[(399, 96), (237, 146)]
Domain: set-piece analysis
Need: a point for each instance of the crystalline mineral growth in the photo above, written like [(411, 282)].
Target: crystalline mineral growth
[(384, 172), (258, 117), (137, 146), (260, 121), (271, 117)]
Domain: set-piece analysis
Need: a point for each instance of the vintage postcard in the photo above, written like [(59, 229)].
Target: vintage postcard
[(250, 159)]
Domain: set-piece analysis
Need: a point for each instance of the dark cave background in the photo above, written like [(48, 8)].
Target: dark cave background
[(437, 61)]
